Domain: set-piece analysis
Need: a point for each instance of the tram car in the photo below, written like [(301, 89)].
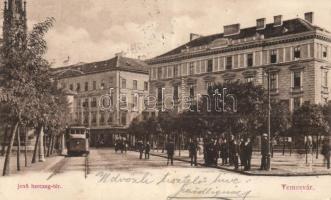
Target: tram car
[(77, 140)]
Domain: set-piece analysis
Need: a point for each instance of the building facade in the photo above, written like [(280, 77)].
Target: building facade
[(295, 52), (108, 95)]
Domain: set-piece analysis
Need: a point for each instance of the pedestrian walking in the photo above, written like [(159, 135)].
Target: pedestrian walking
[(208, 152), (231, 156), (215, 152), (224, 152), (126, 146), (264, 152), (170, 147), (241, 152), (141, 149), (326, 152), (234, 152), (193, 151), (247, 154), (121, 146), (147, 150)]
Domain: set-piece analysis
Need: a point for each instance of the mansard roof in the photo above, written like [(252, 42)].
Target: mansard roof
[(116, 63), (288, 27)]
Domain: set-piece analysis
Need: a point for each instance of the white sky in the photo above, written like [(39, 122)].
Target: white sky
[(92, 30)]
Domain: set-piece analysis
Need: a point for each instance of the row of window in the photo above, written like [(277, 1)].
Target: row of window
[(88, 87), (296, 84), (231, 62), (109, 102), (134, 84), (104, 119)]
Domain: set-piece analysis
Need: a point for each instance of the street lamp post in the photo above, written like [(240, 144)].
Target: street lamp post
[(269, 134)]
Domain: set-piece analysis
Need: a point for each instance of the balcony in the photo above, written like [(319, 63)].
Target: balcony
[(324, 90), (296, 90), (274, 91)]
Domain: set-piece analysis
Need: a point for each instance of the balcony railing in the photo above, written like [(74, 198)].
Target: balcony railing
[(297, 89), (325, 90)]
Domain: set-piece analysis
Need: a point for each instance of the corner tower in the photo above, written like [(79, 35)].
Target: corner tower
[(15, 20)]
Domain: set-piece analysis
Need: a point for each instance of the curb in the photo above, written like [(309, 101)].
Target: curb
[(253, 174)]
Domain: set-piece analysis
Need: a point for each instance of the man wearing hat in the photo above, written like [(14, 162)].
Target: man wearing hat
[(170, 147), (264, 152)]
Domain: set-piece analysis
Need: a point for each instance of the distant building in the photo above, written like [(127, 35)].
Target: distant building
[(297, 53), (109, 94)]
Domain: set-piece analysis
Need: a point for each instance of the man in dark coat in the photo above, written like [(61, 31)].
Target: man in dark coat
[(230, 143), (234, 152), (326, 152), (208, 152), (215, 153), (170, 147), (264, 152), (247, 153), (193, 150), (241, 152), (147, 150), (224, 152), (141, 149)]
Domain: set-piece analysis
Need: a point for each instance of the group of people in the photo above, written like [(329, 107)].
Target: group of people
[(143, 148), (326, 152), (121, 145), (230, 151)]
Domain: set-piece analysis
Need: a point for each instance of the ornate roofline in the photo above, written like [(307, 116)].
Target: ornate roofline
[(255, 44), (102, 71)]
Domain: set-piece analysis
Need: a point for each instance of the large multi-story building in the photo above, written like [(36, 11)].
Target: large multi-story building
[(108, 95), (296, 52)]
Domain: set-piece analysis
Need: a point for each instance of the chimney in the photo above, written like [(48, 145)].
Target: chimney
[(232, 29), (278, 20), (260, 24), (194, 36), (309, 16), (24, 6), (119, 54)]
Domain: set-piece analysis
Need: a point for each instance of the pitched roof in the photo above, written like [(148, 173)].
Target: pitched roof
[(292, 26), (116, 63)]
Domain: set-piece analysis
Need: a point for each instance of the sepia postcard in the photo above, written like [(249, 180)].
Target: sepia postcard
[(165, 99)]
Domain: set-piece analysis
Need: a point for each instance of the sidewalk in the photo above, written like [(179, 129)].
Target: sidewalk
[(37, 167), (281, 165)]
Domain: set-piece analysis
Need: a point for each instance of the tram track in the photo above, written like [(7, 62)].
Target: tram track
[(86, 166), (58, 167)]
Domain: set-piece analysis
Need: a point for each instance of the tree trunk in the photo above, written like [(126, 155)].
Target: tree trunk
[(26, 147), (6, 167), (306, 151), (49, 145), (4, 141), (284, 145), (180, 143), (290, 148), (34, 157), (18, 152), (317, 146), (52, 145), (164, 142), (157, 142), (42, 145)]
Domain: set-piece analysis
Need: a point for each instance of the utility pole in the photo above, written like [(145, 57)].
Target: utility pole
[(269, 116)]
